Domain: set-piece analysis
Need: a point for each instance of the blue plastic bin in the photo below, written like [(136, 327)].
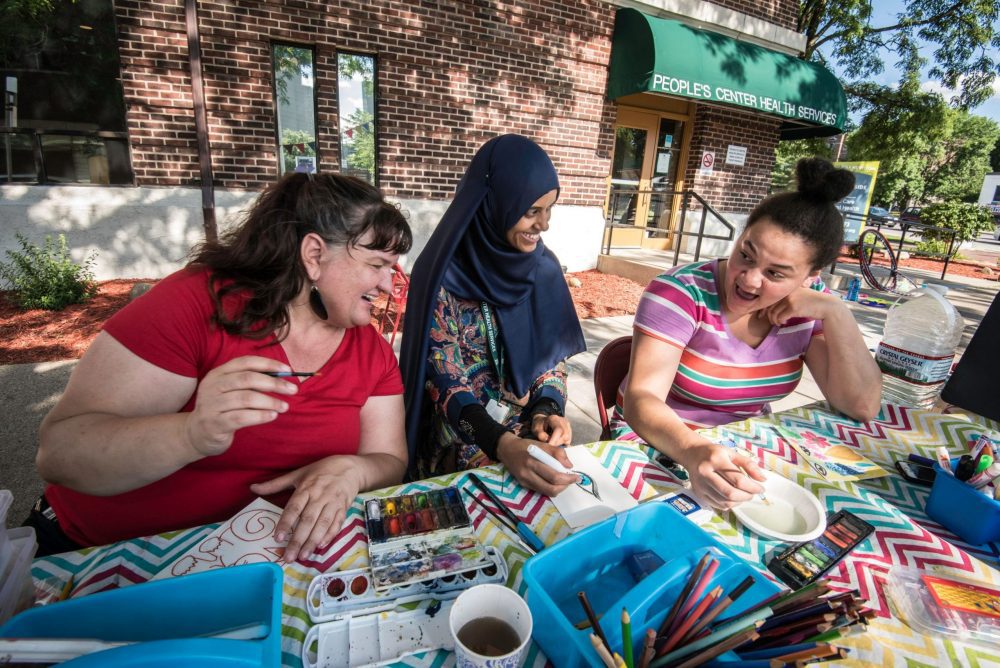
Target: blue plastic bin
[(594, 561), (962, 509), (170, 619)]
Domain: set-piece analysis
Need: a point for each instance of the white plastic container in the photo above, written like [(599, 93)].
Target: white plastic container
[(918, 347), (17, 592)]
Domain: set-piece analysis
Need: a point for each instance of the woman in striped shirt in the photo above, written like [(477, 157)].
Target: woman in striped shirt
[(717, 341)]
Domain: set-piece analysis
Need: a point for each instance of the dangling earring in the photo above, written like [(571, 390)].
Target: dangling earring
[(316, 303)]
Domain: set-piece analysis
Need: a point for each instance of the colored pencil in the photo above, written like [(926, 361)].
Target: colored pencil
[(699, 589), (791, 638), (821, 607), (647, 649), (688, 586), (836, 654), (67, 589), (775, 651), (292, 374), (703, 643), (785, 600), (817, 652), (719, 608), (619, 661), (699, 610), (834, 635), (602, 651), (627, 638), (723, 647), (594, 624), (795, 627)]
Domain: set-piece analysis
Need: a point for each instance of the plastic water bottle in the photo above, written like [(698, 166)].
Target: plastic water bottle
[(917, 348), (853, 289)]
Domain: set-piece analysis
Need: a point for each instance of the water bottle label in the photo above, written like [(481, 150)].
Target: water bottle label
[(912, 367)]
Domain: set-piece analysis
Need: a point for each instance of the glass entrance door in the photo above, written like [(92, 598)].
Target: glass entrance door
[(631, 168)]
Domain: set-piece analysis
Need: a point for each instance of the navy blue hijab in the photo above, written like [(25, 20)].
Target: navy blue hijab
[(469, 255)]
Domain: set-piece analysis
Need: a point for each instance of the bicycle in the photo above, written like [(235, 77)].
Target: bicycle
[(880, 265)]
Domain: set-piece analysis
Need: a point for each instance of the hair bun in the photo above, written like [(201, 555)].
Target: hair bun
[(818, 179)]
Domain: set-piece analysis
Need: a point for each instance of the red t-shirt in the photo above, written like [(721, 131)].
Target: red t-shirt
[(169, 327)]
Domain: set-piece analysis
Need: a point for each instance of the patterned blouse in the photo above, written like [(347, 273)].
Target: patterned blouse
[(460, 372)]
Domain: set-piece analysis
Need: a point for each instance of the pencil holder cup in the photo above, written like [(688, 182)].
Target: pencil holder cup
[(962, 509)]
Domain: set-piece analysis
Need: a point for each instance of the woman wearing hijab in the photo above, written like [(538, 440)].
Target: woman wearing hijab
[(489, 323)]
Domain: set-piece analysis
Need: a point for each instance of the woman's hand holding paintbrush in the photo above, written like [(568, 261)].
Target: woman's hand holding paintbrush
[(720, 476)]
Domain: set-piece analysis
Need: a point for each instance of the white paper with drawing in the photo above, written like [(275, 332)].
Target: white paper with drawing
[(580, 508), (247, 538)]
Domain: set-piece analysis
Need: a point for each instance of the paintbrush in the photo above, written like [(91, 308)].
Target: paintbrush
[(523, 530), (292, 374), (761, 496), (502, 523)]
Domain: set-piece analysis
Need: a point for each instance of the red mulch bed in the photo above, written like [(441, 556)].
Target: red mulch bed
[(955, 267), (43, 336)]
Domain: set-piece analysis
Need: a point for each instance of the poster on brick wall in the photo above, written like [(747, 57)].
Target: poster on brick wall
[(736, 155)]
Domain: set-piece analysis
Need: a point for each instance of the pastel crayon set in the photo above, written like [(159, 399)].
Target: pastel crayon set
[(419, 537), (805, 563), (332, 595)]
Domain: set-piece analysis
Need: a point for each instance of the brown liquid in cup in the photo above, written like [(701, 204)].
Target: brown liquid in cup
[(489, 636)]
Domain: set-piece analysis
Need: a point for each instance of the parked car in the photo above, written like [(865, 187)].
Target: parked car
[(910, 215), (877, 214)]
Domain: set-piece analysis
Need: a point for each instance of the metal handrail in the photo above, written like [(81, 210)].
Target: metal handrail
[(634, 193)]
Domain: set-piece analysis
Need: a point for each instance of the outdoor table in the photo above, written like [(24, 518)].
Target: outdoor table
[(903, 535)]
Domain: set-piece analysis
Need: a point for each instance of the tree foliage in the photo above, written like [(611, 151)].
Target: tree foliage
[(963, 34), (789, 153)]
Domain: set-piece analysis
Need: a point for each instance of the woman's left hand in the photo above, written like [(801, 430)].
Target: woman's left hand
[(316, 511), (551, 429), (801, 303)]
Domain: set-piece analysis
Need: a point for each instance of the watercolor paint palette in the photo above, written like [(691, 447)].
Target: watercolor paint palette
[(806, 562), (378, 639), (419, 537), (399, 517), (332, 595)]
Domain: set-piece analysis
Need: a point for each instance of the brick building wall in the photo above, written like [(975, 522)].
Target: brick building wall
[(784, 13), (450, 75), (731, 187)]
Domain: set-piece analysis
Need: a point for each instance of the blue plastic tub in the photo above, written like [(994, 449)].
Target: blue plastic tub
[(962, 509), (171, 619), (594, 561)]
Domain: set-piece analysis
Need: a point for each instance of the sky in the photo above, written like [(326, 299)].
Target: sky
[(883, 14)]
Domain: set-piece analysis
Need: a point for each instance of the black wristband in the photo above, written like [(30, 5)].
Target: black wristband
[(541, 406), (481, 429)]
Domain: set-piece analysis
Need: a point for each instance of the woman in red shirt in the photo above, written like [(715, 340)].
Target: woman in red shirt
[(177, 415)]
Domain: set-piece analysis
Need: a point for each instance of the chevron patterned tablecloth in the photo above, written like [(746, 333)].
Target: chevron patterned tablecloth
[(904, 535)]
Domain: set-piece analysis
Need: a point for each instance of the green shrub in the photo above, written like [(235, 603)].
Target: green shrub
[(47, 277), (968, 220), (932, 247)]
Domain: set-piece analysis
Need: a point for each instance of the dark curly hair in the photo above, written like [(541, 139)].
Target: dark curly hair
[(809, 211), (260, 256)]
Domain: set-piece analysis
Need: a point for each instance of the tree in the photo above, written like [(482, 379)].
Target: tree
[(959, 173), (788, 154), (963, 33), (905, 135)]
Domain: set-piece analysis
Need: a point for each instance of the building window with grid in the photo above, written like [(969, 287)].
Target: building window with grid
[(295, 101), (357, 113)]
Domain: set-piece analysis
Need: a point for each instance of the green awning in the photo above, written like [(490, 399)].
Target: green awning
[(655, 55)]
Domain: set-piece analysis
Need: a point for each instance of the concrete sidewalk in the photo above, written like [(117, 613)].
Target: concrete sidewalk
[(28, 391)]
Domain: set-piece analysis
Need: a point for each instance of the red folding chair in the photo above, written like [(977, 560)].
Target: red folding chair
[(609, 371), (395, 304)]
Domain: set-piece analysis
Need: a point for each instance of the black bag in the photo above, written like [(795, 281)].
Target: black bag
[(975, 384)]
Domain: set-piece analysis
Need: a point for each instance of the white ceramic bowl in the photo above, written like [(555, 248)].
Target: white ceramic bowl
[(793, 514)]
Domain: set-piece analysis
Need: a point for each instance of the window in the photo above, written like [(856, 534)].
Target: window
[(296, 103), (64, 114), (356, 97)]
